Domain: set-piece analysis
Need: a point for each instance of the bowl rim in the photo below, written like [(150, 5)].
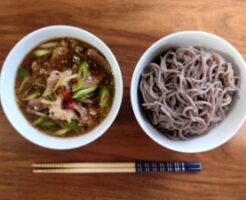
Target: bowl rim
[(135, 78), (57, 143)]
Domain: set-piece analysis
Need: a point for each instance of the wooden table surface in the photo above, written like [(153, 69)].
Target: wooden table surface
[(128, 28)]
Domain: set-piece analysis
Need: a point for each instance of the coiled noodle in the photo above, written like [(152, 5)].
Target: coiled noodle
[(188, 92)]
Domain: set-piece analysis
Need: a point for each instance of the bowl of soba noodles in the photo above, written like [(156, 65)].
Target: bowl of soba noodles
[(61, 87), (188, 91)]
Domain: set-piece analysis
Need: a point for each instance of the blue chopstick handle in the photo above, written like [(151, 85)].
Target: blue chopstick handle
[(145, 166)]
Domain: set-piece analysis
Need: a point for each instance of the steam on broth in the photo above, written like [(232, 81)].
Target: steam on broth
[(64, 87)]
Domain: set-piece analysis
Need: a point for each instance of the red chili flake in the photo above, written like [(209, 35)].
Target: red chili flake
[(70, 105), (74, 80), (63, 89), (67, 95)]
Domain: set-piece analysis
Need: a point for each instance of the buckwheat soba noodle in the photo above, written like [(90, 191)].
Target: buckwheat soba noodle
[(188, 92)]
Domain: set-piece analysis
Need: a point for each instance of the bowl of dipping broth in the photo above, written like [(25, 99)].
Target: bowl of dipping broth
[(61, 87)]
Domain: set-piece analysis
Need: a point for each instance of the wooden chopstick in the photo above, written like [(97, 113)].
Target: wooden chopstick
[(85, 170), (117, 167), (85, 165)]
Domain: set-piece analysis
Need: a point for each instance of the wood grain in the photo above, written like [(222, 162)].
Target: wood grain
[(128, 27)]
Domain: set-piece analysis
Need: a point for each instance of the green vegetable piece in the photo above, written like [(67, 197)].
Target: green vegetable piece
[(49, 45), (83, 70), (61, 131), (47, 123), (45, 101), (23, 83), (104, 97), (38, 121), (41, 85), (78, 85), (41, 121), (34, 95), (41, 52), (73, 125), (37, 113), (53, 96), (81, 94), (62, 81), (76, 60), (22, 73), (85, 99)]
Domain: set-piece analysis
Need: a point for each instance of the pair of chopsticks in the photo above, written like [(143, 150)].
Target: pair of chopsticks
[(116, 167)]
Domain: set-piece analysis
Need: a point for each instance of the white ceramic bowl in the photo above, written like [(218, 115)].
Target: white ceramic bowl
[(236, 116), (8, 74)]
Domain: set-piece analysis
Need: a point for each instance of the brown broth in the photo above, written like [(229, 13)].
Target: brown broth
[(39, 69)]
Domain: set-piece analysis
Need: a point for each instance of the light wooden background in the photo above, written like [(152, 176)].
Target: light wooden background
[(128, 27)]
